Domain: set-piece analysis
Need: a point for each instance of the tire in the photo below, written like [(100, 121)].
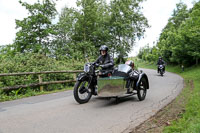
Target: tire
[(80, 89), (161, 72), (142, 89)]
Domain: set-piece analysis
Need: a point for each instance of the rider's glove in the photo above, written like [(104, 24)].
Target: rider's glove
[(102, 66), (133, 75), (96, 64)]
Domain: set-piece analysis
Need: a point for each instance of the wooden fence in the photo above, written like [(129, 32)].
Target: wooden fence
[(41, 83)]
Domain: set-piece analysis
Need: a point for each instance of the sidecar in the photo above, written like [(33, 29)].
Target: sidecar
[(122, 78)]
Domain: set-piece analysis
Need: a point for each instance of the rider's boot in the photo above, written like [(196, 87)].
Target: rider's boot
[(95, 90), (128, 91)]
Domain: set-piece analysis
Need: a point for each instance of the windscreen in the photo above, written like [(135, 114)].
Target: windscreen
[(124, 68)]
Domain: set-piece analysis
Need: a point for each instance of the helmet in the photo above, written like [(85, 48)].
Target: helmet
[(160, 57), (103, 48), (130, 63)]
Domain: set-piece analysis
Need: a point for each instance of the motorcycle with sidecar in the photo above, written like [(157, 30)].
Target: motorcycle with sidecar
[(113, 85)]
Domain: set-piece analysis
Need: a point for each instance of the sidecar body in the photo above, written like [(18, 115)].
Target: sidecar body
[(111, 87), (116, 85)]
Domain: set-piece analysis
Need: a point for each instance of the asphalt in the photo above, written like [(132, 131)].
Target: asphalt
[(60, 113)]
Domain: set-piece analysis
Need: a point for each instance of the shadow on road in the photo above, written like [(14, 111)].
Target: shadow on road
[(107, 102)]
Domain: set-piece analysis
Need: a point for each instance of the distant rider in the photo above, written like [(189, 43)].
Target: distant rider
[(161, 62), (105, 61)]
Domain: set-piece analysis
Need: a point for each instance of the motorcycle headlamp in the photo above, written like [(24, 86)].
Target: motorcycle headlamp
[(87, 68), (161, 66)]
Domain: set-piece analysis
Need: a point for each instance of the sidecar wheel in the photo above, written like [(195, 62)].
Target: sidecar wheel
[(82, 94), (142, 89)]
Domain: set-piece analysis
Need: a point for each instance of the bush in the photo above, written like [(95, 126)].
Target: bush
[(35, 63)]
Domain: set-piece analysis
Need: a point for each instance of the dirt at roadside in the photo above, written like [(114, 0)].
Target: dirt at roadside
[(165, 116)]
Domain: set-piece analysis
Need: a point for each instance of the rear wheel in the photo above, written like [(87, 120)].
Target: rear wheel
[(82, 93), (142, 89)]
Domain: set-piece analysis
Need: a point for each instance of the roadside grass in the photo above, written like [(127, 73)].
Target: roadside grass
[(188, 120), (4, 97)]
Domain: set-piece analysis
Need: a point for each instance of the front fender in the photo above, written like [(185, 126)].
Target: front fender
[(82, 77), (141, 75)]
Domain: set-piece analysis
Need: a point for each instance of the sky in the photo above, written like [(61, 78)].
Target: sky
[(156, 11)]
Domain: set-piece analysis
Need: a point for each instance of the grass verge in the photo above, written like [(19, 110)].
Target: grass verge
[(4, 97), (182, 114)]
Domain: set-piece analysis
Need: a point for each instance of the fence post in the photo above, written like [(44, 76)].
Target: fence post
[(74, 76), (40, 81)]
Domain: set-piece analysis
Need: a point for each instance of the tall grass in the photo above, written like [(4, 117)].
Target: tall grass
[(190, 119)]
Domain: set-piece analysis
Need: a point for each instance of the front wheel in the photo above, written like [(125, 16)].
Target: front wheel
[(161, 72), (142, 89), (82, 93)]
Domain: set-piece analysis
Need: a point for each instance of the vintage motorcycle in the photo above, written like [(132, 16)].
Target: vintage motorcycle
[(113, 85), (161, 69)]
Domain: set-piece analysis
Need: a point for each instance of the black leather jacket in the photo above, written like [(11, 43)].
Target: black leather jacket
[(106, 62), (160, 62)]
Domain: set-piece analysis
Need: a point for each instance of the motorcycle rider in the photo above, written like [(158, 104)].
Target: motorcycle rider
[(105, 61), (161, 62)]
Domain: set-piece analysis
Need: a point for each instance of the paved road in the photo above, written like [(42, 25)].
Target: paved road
[(59, 113)]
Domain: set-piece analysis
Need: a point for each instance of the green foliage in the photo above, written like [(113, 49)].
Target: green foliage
[(80, 32), (189, 123), (41, 45), (29, 92), (170, 41), (126, 24), (190, 30), (36, 30), (22, 62), (190, 119), (63, 46), (97, 23), (149, 54), (179, 40), (84, 31)]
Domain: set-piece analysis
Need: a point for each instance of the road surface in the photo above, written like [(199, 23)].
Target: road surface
[(60, 113)]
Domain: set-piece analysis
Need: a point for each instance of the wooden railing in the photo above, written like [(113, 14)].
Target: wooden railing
[(41, 83)]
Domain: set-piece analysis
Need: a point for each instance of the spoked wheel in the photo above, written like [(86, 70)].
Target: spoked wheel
[(142, 90), (82, 93)]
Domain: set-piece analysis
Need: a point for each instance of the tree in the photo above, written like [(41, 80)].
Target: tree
[(191, 33), (91, 31), (179, 40), (63, 43), (170, 42), (96, 23), (82, 31), (126, 24), (35, 31)]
